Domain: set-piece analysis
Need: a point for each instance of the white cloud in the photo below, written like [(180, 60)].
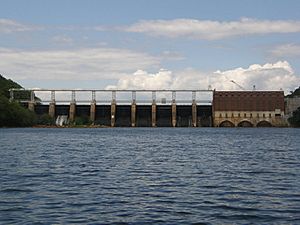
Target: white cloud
[(170, 55), (117, 64), (78, 64), (9, 26), (62, 39), (286, 50), (265, 77), (144, 80), (279, 75), (211, 30)]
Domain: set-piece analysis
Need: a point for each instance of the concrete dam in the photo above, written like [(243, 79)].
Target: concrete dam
[(143, 114), (160, 108), (126, 108)]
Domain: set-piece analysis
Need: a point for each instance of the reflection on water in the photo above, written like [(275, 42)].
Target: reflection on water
[(145, 175)]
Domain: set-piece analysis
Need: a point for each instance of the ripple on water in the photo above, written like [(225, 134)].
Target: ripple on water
[(149, 176)]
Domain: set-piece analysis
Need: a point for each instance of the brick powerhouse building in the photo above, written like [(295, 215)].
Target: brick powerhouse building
[(248, 108)]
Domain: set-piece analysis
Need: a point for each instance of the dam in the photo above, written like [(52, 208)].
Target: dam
[(125, 108), (158, 108)]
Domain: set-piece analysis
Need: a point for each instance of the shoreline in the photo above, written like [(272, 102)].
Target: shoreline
[(71, 126), (102, 126)]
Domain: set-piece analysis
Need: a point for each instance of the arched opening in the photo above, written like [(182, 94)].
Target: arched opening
[(245, 123), (264, 124), (226, 123)]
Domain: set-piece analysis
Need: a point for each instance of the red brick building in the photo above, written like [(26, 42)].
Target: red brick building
[(248, 108)]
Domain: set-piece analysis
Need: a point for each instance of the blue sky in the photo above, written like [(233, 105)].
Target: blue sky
[(151, 44)]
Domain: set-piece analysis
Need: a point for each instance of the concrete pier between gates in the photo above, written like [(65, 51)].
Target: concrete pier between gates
[(133, 114), (93, 111), (153, 114), (52, 109), (31, 106), (72, 111), (174, 114), (113, 108), (194, 114)]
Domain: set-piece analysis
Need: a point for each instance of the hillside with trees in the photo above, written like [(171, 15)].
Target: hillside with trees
[(12, 114), (6, 84), (295, 119), (295, 93)]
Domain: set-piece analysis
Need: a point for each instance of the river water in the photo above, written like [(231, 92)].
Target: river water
[(150, 176)]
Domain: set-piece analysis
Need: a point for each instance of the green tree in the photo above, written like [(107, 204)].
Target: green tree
[(295, 119), (12, 114), (6, 84), (294, 93), (45, 119), (82, 120)]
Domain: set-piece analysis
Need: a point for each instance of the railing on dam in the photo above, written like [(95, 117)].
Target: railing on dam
[(122, 107), (86, 96)]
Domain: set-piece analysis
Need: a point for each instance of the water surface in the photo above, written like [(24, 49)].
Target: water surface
[(146, 175)]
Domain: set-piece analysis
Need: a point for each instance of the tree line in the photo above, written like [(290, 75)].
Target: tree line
[(12, 114), (294, 120)]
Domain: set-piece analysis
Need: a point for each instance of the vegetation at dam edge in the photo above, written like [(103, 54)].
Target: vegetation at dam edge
[(295, 119), (12, 114)]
